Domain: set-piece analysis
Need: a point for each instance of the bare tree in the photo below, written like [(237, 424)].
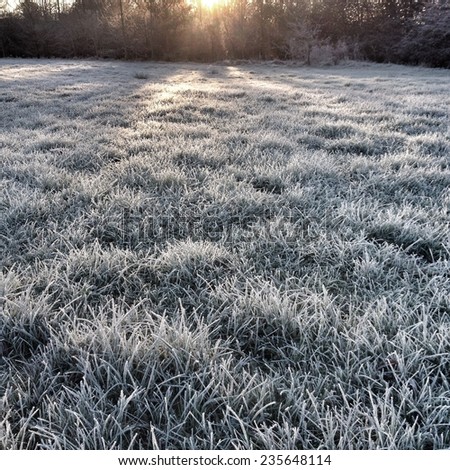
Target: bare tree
[(302, 37), (122, 24)]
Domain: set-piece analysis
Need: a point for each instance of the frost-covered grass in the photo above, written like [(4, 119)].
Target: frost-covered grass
[(209, 257)]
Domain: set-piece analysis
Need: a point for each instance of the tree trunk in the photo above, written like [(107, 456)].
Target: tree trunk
[(124, 36)]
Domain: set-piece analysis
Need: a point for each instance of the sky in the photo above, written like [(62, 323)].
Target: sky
[(11, 3)]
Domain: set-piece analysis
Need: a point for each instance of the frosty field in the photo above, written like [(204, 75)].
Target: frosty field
[(224, 256)]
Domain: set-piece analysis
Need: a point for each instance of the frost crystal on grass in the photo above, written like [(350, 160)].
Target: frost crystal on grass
[(258, 253)]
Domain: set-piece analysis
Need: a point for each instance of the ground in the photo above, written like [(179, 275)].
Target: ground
[(224, 256)]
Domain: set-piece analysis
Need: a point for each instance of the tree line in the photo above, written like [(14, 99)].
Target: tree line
[(322, 31)]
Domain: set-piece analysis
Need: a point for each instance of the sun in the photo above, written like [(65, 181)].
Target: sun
[(210, 4)]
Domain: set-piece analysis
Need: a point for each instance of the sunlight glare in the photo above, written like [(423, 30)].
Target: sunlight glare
[(210, 4)]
